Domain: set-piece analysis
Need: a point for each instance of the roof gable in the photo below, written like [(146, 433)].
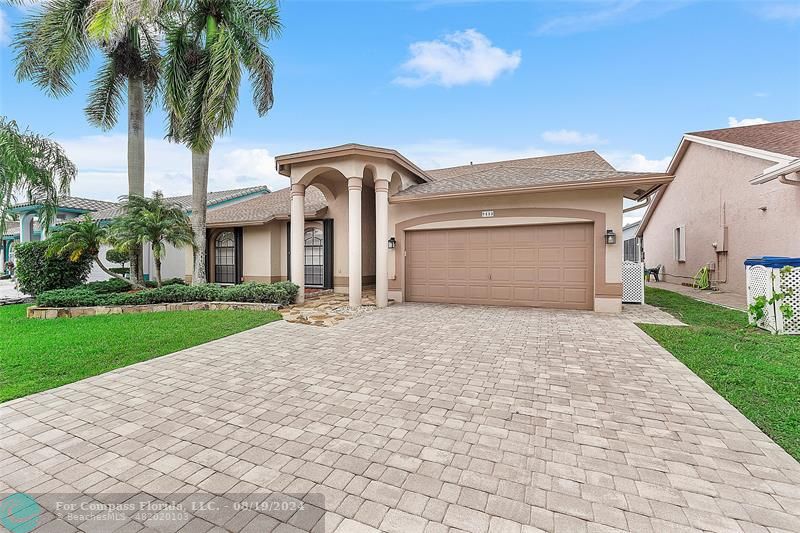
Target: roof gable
[(776, 137), (589, 160)]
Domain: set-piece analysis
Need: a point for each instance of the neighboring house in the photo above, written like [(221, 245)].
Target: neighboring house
[(27, 229), (175, 259), (736, 194), (632, 244), (528, 232)]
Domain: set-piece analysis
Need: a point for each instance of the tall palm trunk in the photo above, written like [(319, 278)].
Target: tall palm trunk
[(199, 204), (157, 261), (136, 161)]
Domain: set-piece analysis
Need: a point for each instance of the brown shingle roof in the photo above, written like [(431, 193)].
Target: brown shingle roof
[(185, 201), (509, 177), (579, 167), (778, 137), (265, 208), (578, 160)]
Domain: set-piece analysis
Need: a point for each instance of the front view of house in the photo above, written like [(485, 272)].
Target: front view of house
[(529, 232)]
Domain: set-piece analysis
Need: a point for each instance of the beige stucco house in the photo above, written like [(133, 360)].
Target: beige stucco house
[(736, 194), (527, 232)]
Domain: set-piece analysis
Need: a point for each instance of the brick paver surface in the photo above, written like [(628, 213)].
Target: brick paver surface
[(415, 418)]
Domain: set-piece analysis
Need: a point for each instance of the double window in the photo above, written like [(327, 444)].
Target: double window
[(314, 257), (225, 258)]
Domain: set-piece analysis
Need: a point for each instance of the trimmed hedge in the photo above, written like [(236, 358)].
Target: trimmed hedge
[(282, 293), (37, 273), (117, 285)]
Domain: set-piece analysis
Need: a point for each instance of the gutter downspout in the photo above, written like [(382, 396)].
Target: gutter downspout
[(790, 181), (638, 206)]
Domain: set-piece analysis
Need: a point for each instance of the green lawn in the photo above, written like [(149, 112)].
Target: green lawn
[(41, 354), (756, 371)]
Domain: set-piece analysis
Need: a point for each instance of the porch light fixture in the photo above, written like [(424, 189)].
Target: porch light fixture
[(611, 237), (392, 243)]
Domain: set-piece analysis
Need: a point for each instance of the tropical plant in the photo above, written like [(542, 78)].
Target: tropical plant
[(154, 220), (34, 166), (119, 257), (38, 271), (208, 46), (55, 43), (77, 239)]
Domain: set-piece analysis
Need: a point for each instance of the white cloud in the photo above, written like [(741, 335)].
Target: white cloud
[(460, 58), (5, 29), (441, 153), (571, 137), (103, 174), (734, 123), (760, 94), (636, 162), (785, 12)]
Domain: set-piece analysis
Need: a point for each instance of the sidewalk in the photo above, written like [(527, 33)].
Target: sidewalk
[(725, 299), (8, 292)]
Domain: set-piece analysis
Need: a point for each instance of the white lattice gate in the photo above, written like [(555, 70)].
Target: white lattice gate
[(765, 281), (632, 282)]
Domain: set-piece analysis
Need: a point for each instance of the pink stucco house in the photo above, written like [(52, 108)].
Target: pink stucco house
[(735, 194)]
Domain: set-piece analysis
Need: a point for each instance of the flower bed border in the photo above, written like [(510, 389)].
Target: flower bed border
[(71, 312)]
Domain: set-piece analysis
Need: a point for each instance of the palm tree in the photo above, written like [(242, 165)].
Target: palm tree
[(34, 166), (56, 43), (206, 52), (82, 237), (152, 220)]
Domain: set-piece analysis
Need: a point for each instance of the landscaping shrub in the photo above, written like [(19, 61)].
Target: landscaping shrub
[(282, 293), (164, 282), (108, 286), (37, 273)]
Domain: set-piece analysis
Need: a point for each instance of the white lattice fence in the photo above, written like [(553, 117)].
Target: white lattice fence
[(790, 285), (760, 283), (632, 282)]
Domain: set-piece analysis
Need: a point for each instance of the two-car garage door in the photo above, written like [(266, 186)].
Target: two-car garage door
[(540, 266)]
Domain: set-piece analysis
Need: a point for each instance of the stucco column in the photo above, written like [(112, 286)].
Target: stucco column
[(381, 242), (26, 227), (298, 223), (354, 240)]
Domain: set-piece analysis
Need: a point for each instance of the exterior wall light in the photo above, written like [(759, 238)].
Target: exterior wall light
[(611, 237), (392, 243)]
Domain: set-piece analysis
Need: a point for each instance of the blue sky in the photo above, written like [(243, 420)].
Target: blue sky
[(448, 82)]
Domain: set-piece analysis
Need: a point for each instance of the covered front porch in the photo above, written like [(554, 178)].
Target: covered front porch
[(356, 182)]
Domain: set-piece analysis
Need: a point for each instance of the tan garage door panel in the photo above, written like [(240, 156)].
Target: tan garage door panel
[(541, 266)]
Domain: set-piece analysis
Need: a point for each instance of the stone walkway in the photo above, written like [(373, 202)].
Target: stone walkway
[(327, 309), (731, 300), (414, 418)]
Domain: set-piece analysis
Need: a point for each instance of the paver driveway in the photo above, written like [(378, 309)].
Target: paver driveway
[(413, 418)]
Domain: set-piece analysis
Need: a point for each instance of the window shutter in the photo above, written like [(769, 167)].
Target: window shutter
[(682, 250)]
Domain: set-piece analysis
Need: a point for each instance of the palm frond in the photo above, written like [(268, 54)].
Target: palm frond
[(260, 69), (107, 96), (35, 166), (53, 46)]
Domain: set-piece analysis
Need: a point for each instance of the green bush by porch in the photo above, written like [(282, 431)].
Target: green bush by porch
[(42, 354), (281, 293), (38, 272)]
